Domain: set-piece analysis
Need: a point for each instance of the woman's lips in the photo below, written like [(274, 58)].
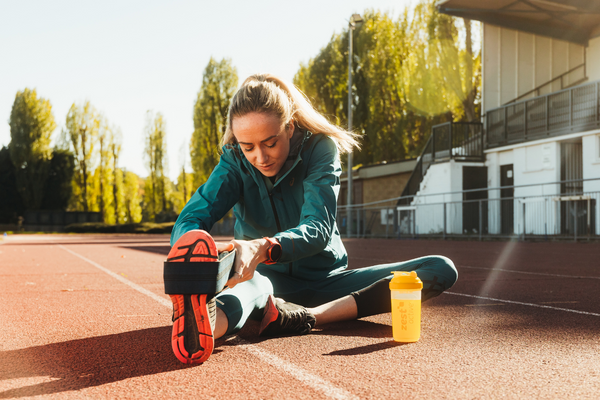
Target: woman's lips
[(266, 167)]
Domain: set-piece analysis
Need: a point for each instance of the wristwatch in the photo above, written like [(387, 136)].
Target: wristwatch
[(273, 252)]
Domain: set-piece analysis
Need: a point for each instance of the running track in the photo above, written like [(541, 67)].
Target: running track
[(85, 317)]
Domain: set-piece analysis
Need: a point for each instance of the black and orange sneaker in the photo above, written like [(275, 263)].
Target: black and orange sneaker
[(282, 318), (194, 315)]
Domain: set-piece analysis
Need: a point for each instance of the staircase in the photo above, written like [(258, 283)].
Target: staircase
[(461, 141)]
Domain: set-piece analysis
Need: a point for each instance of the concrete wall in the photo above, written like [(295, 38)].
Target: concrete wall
[(593, 59), (516, 62), (442, 183)]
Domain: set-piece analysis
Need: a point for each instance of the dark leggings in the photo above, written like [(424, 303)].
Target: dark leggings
[(367, 285)]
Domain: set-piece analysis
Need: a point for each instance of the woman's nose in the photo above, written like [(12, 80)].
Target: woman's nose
[(261, 157)]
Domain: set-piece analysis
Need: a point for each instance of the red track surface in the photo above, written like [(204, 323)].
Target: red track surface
[(68, 328)]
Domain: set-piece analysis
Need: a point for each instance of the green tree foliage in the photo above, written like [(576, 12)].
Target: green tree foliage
[(31, 126), (184, 189), (60, 180), (408, 75), (155, 155), (132, 197), (117, 178), (11, 204), (219, 83), (83, 126)]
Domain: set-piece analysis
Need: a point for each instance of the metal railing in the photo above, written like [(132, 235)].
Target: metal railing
[(570, 110), (461, 141), (574, 76), (535, 211)]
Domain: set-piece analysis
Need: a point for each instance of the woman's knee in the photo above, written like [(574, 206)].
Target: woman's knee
[(444, 266)]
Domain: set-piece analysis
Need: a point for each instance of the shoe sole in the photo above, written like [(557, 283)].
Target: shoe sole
[(270, 315), (192, 337)]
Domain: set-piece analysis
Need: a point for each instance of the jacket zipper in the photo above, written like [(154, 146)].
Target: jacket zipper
[(278, 225)]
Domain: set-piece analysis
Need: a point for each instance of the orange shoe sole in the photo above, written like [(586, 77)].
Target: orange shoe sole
[(192, 337)]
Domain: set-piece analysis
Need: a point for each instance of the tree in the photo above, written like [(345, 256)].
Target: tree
[(117, 187), (219, 83), (155, 154), (83, 125), (408, 75), (59, 185), (31, 126), (11, 204), (132, 198)]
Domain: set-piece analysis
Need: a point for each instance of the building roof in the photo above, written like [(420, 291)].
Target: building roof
[(571, 20), (382, 169)]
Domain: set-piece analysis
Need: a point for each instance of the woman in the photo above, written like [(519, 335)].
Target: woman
[(280, 171)]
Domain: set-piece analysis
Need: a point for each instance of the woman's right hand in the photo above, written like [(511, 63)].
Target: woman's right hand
[(249, 253)]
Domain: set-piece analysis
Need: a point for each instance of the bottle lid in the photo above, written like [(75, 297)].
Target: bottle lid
[(405, 280)]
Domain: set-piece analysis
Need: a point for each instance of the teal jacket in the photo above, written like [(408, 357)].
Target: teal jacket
[(299, 209)]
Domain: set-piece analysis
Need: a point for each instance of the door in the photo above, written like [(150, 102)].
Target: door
[(475, 211), (507, 202)]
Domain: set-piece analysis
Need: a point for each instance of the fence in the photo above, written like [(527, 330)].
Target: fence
[(537, 215), (570, 110), (55, 221)]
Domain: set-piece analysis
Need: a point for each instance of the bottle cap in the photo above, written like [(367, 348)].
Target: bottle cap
[(405, 280)]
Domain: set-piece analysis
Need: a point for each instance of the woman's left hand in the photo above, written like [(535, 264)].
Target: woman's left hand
[(249, 253)]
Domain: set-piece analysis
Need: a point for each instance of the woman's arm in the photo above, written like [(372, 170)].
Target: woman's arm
[(212, 200)]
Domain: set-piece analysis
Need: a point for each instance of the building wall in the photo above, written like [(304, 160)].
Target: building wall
[(593, 59), (442, 183), (385, 187), (516, 62)]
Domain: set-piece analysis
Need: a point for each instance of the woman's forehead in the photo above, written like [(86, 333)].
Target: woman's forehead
[(255, 127)]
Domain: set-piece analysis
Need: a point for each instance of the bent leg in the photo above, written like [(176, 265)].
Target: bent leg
[(238, 303)]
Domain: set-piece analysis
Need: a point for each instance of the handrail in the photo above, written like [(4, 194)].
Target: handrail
[(553, 114), (562, 86), (472, 146)]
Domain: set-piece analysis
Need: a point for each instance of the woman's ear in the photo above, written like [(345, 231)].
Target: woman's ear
[(290, 128)]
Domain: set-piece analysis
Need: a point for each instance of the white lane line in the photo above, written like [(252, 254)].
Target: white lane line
[(132, 285), (309, 379), (524, 304), (533, 273), (491, 269), (303, 376)]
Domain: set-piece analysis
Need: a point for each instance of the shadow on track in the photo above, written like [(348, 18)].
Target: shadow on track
[(78, 364), (370, 348)]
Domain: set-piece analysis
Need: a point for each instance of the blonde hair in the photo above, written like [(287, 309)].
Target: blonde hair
[(265, 93)]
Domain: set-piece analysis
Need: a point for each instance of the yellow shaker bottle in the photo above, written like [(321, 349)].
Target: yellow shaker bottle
[(406, 306)]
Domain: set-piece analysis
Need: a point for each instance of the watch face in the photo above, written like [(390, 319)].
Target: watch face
[(276, 252)]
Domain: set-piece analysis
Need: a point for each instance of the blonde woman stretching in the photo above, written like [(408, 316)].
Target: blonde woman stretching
[(280, 172)]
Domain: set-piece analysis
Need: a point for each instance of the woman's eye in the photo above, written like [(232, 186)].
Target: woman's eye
[(271, 145), (248, 148)]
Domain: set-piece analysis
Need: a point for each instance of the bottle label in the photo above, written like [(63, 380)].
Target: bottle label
[(416, 295)]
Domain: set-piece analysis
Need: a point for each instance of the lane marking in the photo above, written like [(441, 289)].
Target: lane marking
[(307, 378), (303, 376), (135, 286), (533, 273), (493, 269), (524, 304)]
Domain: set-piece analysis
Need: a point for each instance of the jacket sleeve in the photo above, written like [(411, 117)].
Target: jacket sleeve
[(317, 221), (212, 200)]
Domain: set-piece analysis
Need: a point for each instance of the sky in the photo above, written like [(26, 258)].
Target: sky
[(129, 56)]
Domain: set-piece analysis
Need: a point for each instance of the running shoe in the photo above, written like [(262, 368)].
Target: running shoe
[(194, 315), (282, 318)]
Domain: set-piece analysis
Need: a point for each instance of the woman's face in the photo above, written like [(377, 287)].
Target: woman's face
[(264, 141)]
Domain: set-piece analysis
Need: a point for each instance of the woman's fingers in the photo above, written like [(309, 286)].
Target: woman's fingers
[(223, 246)]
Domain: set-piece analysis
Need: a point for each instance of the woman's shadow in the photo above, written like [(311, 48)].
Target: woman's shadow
[(82, 363)]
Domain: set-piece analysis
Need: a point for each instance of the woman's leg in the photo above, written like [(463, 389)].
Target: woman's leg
[(365, 291), (234, 306)]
